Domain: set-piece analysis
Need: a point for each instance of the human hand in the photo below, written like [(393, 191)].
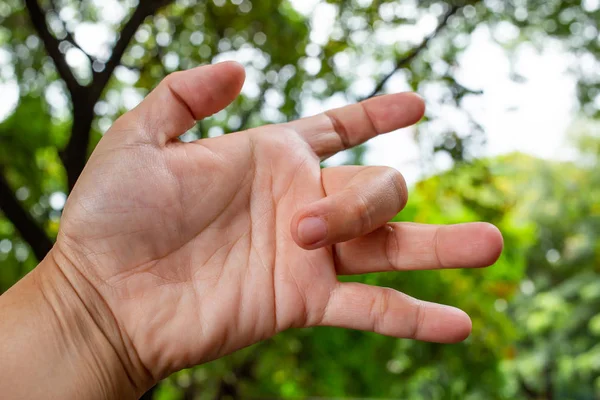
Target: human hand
[(190, 251)]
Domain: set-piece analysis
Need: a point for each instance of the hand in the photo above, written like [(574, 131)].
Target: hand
[(198, 249)]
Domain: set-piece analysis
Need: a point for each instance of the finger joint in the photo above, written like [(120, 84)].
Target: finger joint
[(340, 129)]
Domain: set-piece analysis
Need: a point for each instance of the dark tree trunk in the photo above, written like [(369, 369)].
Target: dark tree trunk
[(29, 229), (75, 154)]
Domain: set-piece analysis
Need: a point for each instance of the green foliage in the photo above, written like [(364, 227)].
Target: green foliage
[(535, 314)]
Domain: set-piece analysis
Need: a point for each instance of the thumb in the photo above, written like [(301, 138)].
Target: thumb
[(183, 98)]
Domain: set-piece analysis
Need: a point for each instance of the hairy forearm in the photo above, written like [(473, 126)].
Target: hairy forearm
[(55, 345)]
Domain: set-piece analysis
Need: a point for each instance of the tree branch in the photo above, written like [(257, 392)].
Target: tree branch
[(526, 389), (30, 231), (51, 44), (83, 99), (75, 154), (69, 36), (549, 385), (143, 10), (414, 53)]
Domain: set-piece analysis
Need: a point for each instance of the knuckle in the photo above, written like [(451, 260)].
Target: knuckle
[(179, 88), (340, 129), (371, 121), (435, 246), (379, 309), (171, 79), (392, 246), (418, 316)]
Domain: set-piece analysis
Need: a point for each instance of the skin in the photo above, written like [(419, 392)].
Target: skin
[(173, 254)]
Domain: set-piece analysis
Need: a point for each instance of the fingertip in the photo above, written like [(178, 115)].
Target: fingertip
[(232, 63), (418, 104), (454, 326), (395, 111), (463, 327), (236, 70), (470, 245), (492, 237)]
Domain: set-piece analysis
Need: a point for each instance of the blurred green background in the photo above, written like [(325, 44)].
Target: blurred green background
[(486, 150)]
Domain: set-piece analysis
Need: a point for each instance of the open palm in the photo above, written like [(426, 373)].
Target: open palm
[(199, 249)]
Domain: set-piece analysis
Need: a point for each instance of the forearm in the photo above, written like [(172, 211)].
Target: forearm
[(55, 345)]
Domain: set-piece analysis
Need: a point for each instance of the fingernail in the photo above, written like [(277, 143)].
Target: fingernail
[(312, 230)]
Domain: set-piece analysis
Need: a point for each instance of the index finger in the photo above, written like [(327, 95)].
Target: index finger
[(343, 128)]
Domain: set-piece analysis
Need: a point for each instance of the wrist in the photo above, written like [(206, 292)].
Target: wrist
[(61, 335), (84, 313)]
